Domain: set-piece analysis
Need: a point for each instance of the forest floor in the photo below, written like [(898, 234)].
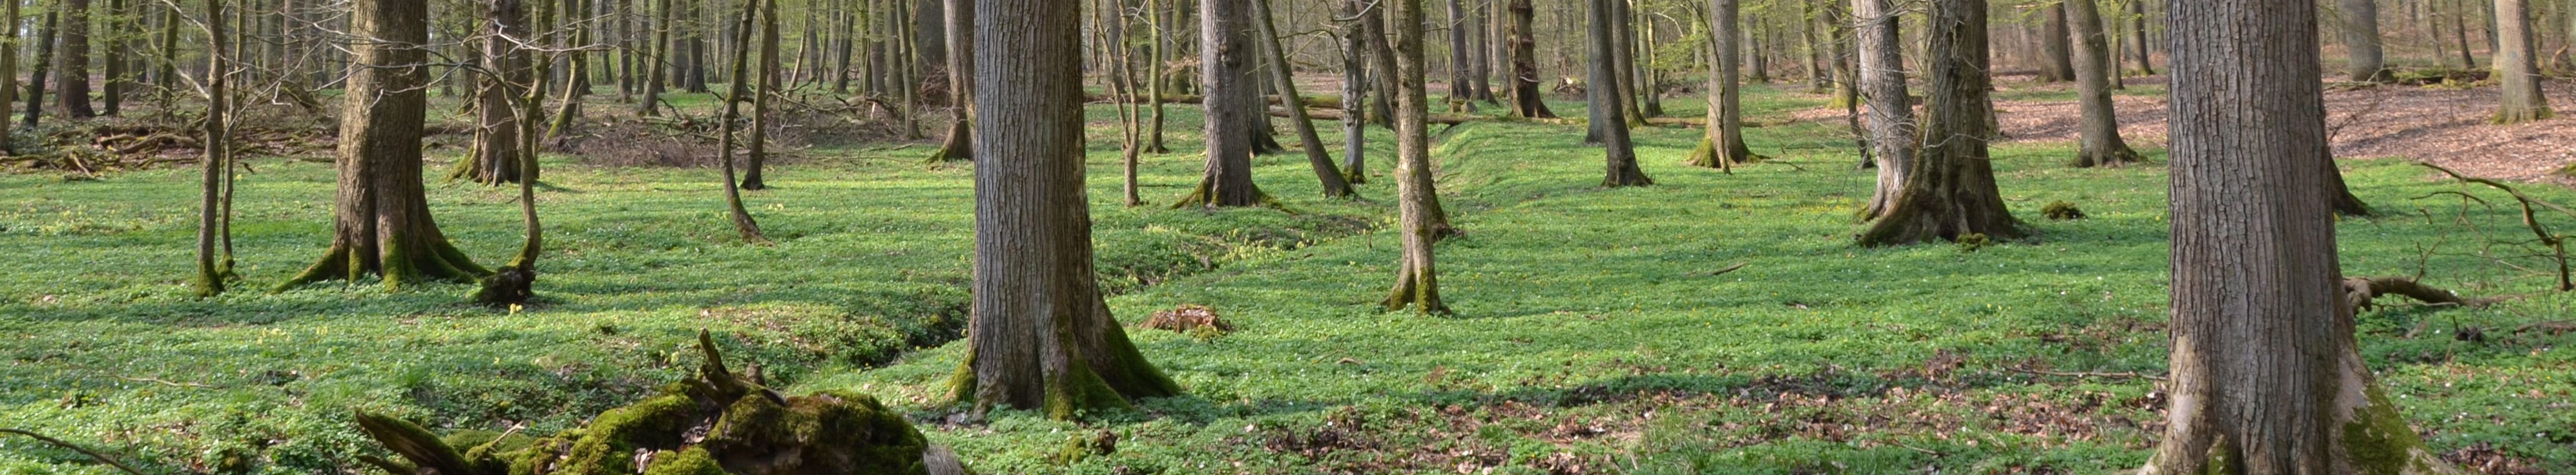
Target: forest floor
[(1595, 332)]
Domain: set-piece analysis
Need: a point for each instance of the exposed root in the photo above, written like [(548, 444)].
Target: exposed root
[(2362, 291)]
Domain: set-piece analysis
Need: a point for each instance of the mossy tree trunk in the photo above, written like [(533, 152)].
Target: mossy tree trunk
[(73, 74), (2269, 381), (2094, 69), (960, 16), (1528, 99), (1891, 114), (1040, 337), (1722, 146), (382, 220), (1950, 191), (1225, 57), (1316, 157), (1621, 153), (495, 157), (1417, 283), (2517, 65), (210, 277), (2056, 62), (735, 92)]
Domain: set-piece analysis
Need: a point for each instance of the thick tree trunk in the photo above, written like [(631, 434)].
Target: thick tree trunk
[(1891, 111), (2518, 65), (1316, 157), (960, 16), (495, 156), (1528, 100), (2267, 381), (73, 74), (1950, 192), (382, 221), (2094, 69), (1458, 67), (1481, 64), (693, 76), (1040, 337), (1417, 283), (2056, 63), (1224, 59), (735, 91), (1722, 145), (1819, 79), (1623, 66), (2361, 42), (2138, 36), (116, 58), (1622, 155)]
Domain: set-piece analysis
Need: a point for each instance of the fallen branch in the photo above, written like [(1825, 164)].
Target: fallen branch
[(94, 455), (2087, 374), (2362, 291), (1732, 268)]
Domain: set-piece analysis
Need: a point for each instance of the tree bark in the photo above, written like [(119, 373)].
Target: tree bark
[(2094, 70), (1225, 56), (1417, 283), (73, 74), (210, 279), (960, 16), (2055, 61), (382, 220), (116, 58), (656, 63), (1480, 64), (510, 75), (1528, 100), (1891, 110), (735, 90), (1622, 155), (1354, 95), (762, 97), (1040, 337), (2363, 61), (1623, 65), (1722, 144), (2267, 381), (9, 70), (45, 39), (1157, 67), (1950, 192), (1458, 67), (2518, 66), (1316, 157), (2138, 35), (1381, 66)]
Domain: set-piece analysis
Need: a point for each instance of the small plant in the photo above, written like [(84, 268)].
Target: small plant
[(2061, 210), (1971, 242)]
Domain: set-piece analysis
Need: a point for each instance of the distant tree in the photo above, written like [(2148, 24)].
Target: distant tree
[(9, 40), (45, 39), (383, 225), (1722, 144), (2361, 42), (1225, 55), (1418, 205), (1460, 87), (495, 156), (2267, 381), (2518, 63), (1040, 337), (961, 77), (763, 96), (2138, 35), (1891, 110), (1267, 38), (1480, 65), (117, 57), (2094, 70), (656, 64), (738, 91), (1528, 100), (1605, 102), (2056, 62), (1950, 191), (73, 74), (1355, 80)]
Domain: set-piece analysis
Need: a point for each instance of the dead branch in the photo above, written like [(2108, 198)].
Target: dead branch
[(2363, 291), (2557, 244), (94, 455)]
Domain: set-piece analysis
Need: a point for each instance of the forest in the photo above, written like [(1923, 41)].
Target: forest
[(1125, 237)]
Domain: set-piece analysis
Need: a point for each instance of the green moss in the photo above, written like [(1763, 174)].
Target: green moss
[(608, 445), (2378, 440), (694, 461)]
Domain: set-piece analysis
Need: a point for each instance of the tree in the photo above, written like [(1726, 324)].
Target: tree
[(1723, 145), (211, 275), (1354, 94), (655, 64), (1418, 205), (73, 75), (1950, 191), (1528, 101), (509, 76), (2520, 67), (961, 76), (45, 39), (1460, 87), (2267, 381), (2094, 69), (762, 96), (116, 58), (1891, 110), (1039, 337), (1225, 57), (382, 221), (9, 70), (2138, 35), (1316, 157), (735, 92), (2361, 42), (2055, 62), (1604, 101)]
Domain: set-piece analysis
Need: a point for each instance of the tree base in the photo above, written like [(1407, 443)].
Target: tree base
[(508, 286), (1704, 155), (398, 267), (2517, 115), (2119, 154)]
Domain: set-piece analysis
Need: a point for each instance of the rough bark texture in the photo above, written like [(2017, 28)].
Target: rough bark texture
[(2267, 378), (960, 16), (210, 278), (2138, 36), (1528, 100), (2056, 62), (1725, 93), (2094, 69), (2362, 57), (1417, 283), (45, 39), (73, 74), (1950, 192), (655, 64), (1231, 102), (1040, 337), (1481, 65), (9, 42), (761, 98), (1891, 113), (496, 153), (743, 225), (2517, 65), (1458, 64), (1316, 157), (1354, 96), (381, 214), (1622, 154)]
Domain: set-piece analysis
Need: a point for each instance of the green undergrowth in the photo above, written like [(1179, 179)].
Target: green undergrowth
[(1597, 330)]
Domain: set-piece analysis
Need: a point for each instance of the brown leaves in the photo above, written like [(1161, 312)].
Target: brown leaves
[(1190, 319)]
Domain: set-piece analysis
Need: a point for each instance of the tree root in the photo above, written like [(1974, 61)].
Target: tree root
[(2363, 291)]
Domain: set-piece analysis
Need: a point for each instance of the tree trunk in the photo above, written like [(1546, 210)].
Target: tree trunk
[(9, 71), (2055, 61), (1950, 192), (735, 91), (2460, 31), (2138, 35), (1722, 144), (1528, 100), (495, 156), (73, 74), (960, 16), (1891, 111), (210, 278), (1276, 53), (767, 91), (2266, 381), (1819, 80), (1354, 95), (655, 63), (1622, 155), (694, 79), (383, 225), (2361, 42), (116, 58), (1381, 66), (576, 73), (1157, 67), (1623, 66), (1458, 67), (1418, 205), (1040, 337), (1225, 57), (1481, 65), (2518, 66), (2094, 69)]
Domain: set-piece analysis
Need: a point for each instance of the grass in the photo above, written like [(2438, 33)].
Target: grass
[(1590, 334)]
